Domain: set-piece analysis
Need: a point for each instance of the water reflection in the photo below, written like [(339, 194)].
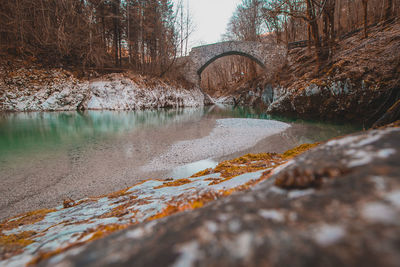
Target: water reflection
[(317, 130), (41, 130), (24, 130)]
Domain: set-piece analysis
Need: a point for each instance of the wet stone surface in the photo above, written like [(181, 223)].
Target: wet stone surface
[(350, 217)]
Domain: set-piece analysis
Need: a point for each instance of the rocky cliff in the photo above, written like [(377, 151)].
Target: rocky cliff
[(30, 89)]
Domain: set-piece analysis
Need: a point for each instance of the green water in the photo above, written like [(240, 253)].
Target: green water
[(41, 131), (49, 156), (38, 130)]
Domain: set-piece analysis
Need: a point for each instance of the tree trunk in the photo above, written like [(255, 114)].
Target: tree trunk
[(314, 32), (103, 25), (339, 16), (330, 20), (309, 37), (180, 5), (388, 9), (365, 6), (350, 19), (128, 33), (120, 46), (116, 4), (187, 29)]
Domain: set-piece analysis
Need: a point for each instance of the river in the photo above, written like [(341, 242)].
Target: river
[(50, 156)]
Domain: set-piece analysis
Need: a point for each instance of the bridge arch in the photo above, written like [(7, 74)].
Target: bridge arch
[(229, 53), (264, 54)]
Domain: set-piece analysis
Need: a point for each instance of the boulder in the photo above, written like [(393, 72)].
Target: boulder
[(335, 205)]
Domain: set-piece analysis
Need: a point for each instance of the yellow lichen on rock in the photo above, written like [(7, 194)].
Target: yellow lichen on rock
[(254, 157), (232, 168), (252, 163), (202, 173), (25, 219), (120, 193), (178, 182), (298, 150), (245, 164), (183, 205), (104, 230), (14, 243)]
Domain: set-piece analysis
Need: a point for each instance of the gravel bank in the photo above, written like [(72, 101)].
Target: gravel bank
[(228, 137)]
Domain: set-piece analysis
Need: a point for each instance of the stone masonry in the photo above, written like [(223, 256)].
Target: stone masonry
[(265, 54)]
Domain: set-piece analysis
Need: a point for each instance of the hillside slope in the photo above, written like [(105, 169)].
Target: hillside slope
[(359, 83)]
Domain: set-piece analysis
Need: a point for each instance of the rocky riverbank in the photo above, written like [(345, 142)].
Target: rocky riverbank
[(35, 89), (337, 204), (329, 207), (359, 83)]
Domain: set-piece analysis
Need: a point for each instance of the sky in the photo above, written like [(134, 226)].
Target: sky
[(210, 18)]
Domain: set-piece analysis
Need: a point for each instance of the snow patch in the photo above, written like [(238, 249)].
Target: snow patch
[(313, 89), (377, 212), (189, 253), (327, 235), (300, 193), (379, 182), (394, 198), (343, 141), (272, 215), (241, 247), (135, 234), (385, 153), (360, 158), (211, 226)]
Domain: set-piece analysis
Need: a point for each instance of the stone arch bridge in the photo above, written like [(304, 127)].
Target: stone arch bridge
[(267, 55)]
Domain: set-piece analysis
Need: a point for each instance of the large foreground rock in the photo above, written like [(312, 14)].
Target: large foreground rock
[(336, 205)]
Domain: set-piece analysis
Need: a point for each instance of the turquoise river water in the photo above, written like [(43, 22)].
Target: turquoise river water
[(47, 156)]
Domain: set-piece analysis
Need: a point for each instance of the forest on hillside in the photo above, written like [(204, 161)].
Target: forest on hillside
[(142, 35), (319, 23), (148, 35)]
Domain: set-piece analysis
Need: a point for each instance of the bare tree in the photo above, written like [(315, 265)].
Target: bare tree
[(365, 8), (388, 9), (140, 34)]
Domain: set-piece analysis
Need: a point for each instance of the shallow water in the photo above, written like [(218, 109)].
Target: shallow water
[(47, 156), (23, 134)]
